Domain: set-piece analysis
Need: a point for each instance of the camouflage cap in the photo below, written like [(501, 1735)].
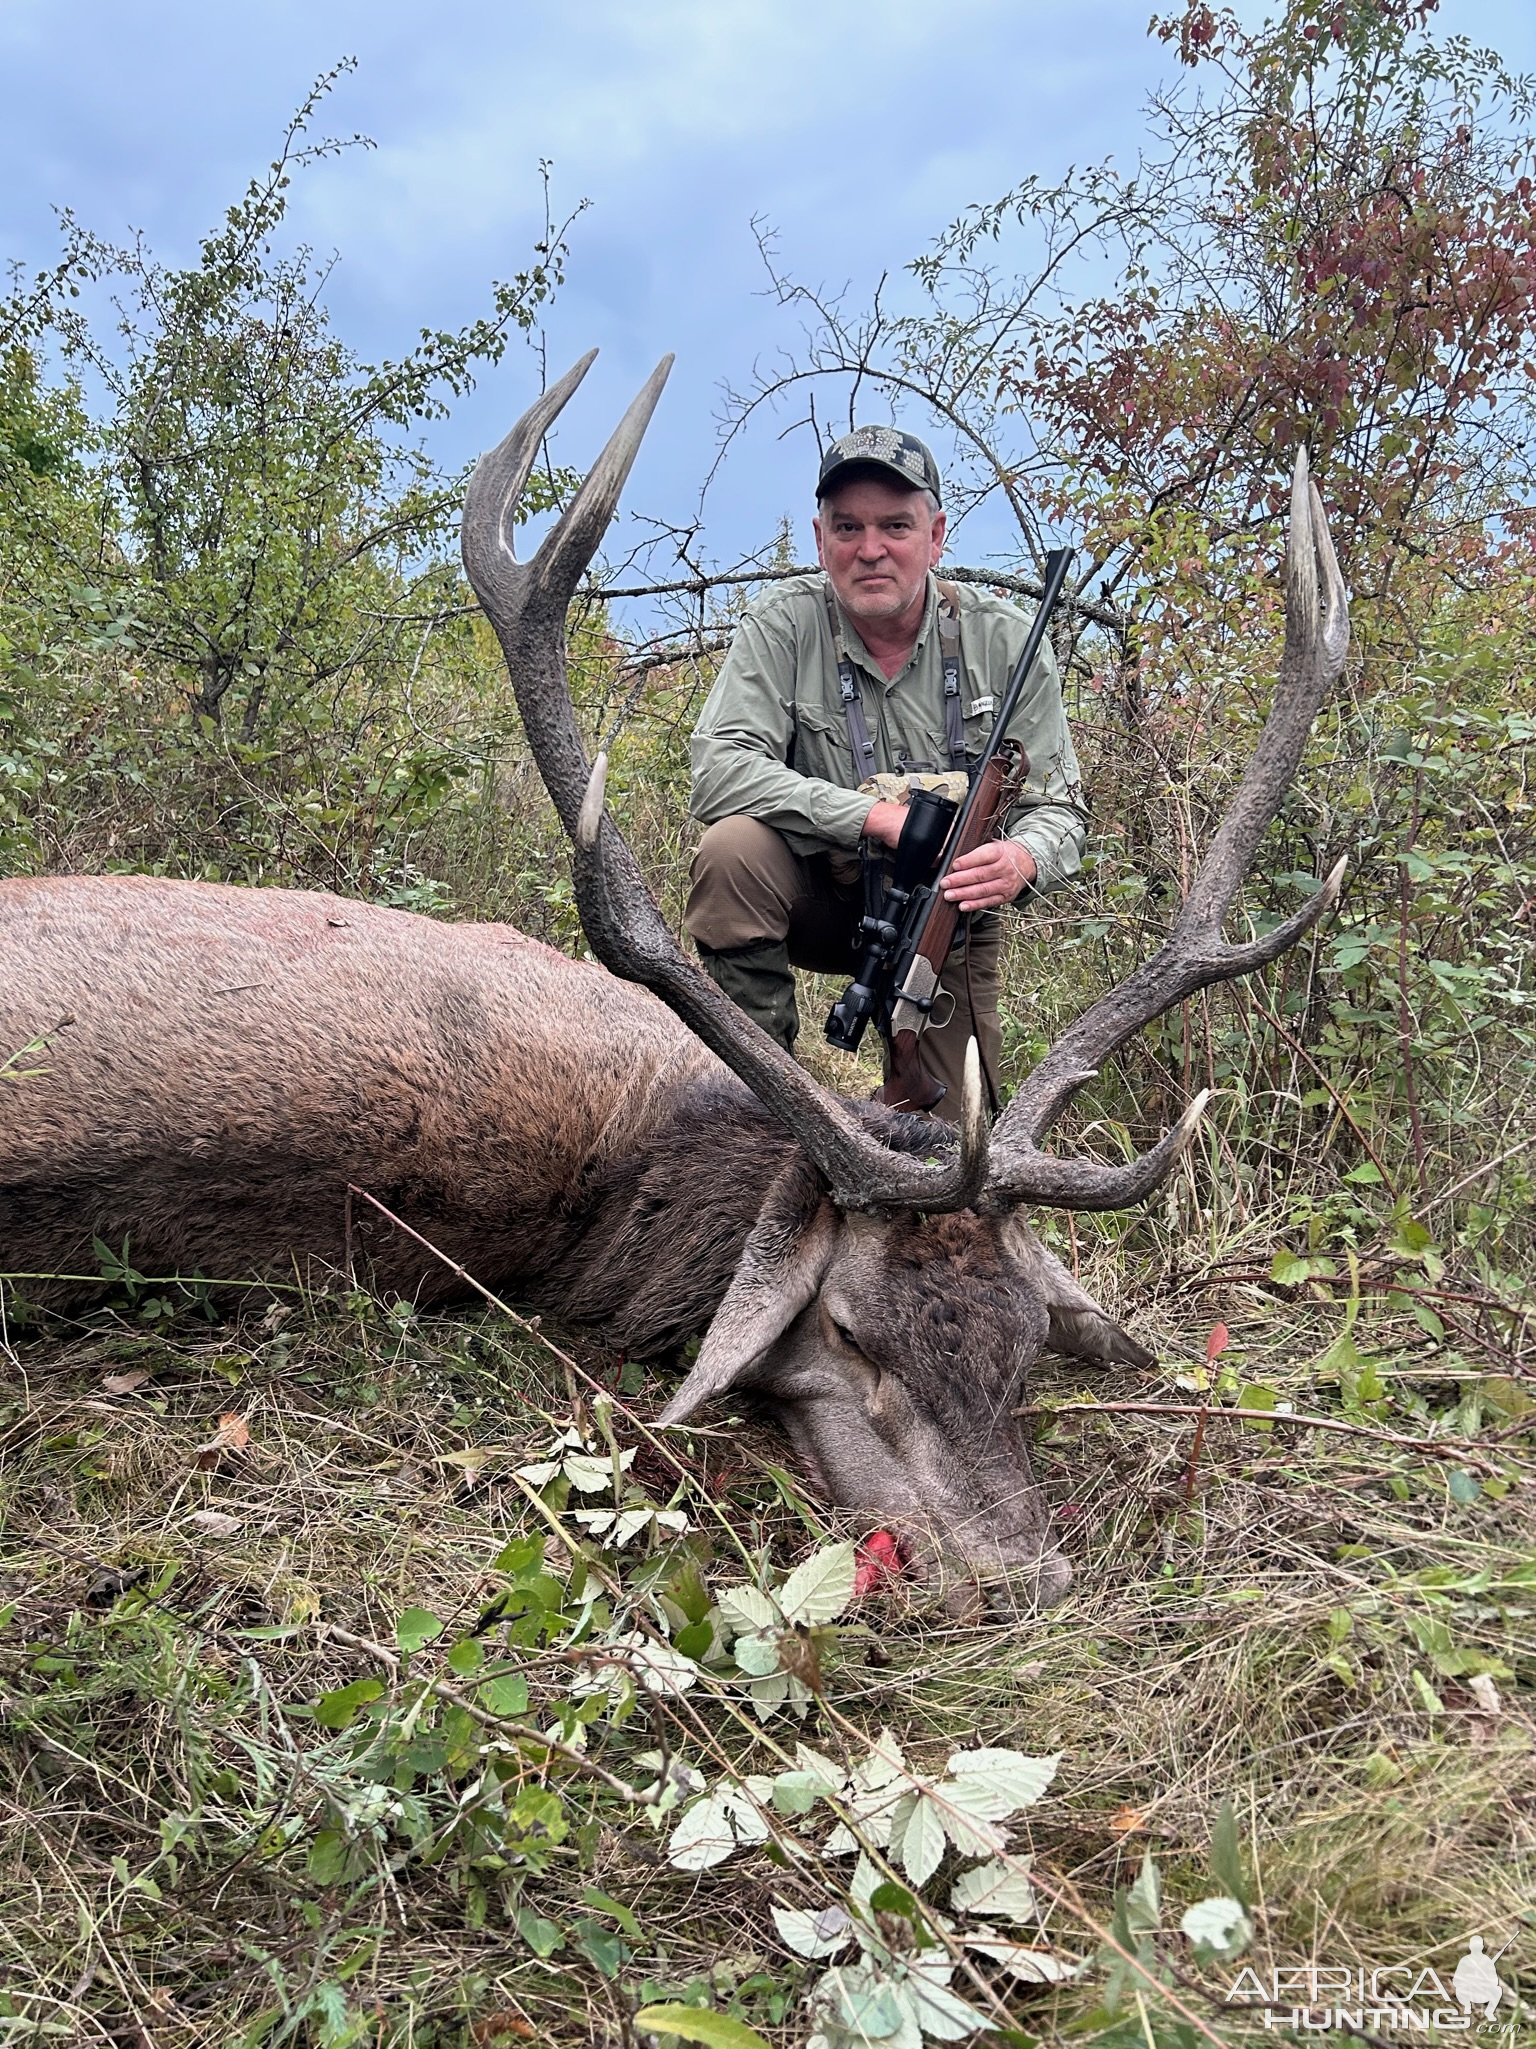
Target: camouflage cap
[(909, 460)]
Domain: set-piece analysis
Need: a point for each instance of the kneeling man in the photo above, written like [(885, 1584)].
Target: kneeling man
[(837, 687)]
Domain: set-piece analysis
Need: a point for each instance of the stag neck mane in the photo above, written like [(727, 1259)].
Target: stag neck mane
[(670, 1222)]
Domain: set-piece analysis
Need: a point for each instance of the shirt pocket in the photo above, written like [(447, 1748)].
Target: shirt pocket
[(820, 747)]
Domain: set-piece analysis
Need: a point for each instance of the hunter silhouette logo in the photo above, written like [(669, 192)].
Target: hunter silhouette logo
[(1476, 1982)]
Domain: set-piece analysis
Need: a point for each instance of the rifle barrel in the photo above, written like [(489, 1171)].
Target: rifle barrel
[(1057, 564)]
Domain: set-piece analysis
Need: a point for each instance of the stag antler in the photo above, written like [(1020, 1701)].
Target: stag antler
[(1194, 955), (527, 604)]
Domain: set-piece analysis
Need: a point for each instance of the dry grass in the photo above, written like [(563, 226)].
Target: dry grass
[(1259, 1636)]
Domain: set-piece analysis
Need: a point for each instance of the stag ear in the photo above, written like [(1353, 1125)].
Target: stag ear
[(1078, 1328), (783, 1263)]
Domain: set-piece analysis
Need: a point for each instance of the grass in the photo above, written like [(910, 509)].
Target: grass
[(1333, 1633)]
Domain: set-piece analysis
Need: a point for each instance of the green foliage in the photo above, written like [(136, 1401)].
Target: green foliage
[(1325, 241), (231, 639), (266, 503), (699, 2024)]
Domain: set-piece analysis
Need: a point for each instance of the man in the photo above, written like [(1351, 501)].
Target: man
[(873, 669)]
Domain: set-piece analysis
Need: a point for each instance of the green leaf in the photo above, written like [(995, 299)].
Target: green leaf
[(599, 1946), (1144, 1901), (1290, 1269), (1462, 1485), (466, 1657), (541, 1936), (821, 1586), (605, 1903), (336, 1710), (1428, 1697), (1411, 1238), (870, 2005), (1257, 1400), (522, 1557), (687, 1588), (694, 1639), (700, 2024), (417, 1626), (329, 1856), (890, 1898), (506, 1695), (1226, 1851), (1221, 1925)]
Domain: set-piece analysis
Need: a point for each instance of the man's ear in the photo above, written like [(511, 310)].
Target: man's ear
[(783, 1264), (1079, 1328)]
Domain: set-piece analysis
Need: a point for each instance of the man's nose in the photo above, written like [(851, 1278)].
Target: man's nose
[(871, 544)]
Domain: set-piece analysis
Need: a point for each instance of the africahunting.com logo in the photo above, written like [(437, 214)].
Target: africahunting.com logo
[(1412, 1998)]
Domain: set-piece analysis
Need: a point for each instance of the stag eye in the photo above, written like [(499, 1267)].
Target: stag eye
[(838, 1331)]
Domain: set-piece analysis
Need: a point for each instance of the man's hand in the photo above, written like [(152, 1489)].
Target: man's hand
[(989, 875), (885, 822)]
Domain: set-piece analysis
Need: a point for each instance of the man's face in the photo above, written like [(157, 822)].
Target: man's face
[(877, 543)]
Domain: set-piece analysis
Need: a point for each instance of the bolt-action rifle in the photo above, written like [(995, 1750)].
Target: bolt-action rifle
[(906, 941)]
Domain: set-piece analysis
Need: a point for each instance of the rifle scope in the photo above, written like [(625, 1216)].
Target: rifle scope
[(929, 818)]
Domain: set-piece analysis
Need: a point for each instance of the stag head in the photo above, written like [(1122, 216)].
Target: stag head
[(887, 1301)]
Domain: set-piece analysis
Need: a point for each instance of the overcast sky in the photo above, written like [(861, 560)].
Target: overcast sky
[(857, 132)]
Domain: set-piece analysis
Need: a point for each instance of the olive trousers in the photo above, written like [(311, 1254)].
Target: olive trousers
[(756, 911)]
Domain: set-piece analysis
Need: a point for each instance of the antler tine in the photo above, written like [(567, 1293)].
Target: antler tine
[(1194, 956), (564, 556), (495, 488), (526, 605)]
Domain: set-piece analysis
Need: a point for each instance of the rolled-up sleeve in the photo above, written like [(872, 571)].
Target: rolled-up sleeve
[(742, 747)]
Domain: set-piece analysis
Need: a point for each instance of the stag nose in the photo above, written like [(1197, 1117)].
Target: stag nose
[(1026, 1589), (1004, 1583), (1053, 1576)]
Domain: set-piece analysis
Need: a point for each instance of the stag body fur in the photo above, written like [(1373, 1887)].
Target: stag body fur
[(233, 1058)]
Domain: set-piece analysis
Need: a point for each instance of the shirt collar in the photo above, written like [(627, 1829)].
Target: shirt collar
[(859, 653)]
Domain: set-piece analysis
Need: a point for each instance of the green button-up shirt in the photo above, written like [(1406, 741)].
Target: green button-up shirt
[(772, 741)]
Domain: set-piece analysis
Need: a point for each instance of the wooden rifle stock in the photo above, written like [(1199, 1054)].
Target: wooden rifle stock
[(907, 1087)]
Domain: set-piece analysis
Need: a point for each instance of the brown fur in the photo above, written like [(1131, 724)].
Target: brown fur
[(233, 1057), (220, 1063)]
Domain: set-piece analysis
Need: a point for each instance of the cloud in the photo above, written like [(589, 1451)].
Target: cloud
[(674, 98)]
